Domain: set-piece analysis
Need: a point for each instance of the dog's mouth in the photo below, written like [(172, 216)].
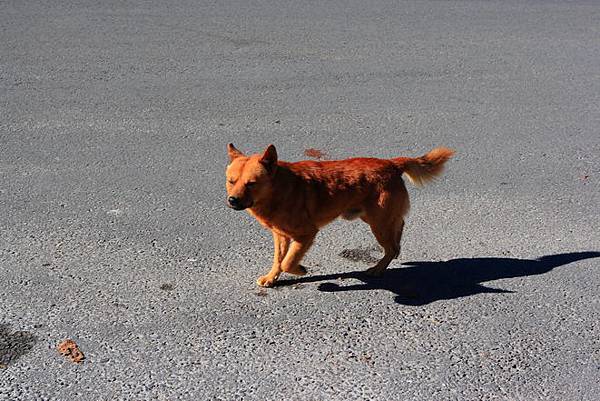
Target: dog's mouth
[(239, 207)]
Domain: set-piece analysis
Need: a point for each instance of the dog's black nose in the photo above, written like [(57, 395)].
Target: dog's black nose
[(233, 201)]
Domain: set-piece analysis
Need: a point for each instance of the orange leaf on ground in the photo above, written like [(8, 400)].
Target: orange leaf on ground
[(315, 153), (69, 349)]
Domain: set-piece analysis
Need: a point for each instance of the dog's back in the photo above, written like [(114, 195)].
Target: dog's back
[(350, 187)]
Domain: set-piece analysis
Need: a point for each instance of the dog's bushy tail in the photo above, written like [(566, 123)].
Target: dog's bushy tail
[(420, 170)]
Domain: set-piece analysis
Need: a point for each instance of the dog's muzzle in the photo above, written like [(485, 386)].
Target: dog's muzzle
[(236, 203)]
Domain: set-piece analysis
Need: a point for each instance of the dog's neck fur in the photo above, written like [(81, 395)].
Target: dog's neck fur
[(285, 181)]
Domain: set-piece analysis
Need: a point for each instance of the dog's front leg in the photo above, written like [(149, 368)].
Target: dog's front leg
[(298, 248), (281, 244)]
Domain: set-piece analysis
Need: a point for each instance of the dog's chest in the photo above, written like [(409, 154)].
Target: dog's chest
[(283, 226)]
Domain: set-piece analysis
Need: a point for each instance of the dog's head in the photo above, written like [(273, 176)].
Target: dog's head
[(249, 177)]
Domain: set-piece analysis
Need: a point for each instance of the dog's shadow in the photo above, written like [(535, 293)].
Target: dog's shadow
[(420, 283)]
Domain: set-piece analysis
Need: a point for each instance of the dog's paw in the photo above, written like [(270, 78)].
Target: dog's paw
[(374, 272), (301, 270), (298, 271), (265, 281)]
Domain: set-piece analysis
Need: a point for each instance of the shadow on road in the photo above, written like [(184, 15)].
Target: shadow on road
[(420, 283), (14, 345)]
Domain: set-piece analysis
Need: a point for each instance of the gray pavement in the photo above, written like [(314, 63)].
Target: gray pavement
[(114, 116)]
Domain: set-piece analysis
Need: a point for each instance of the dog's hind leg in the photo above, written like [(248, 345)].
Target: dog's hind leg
[(281, 244), (398, 239), (386, 219), (386, 236)]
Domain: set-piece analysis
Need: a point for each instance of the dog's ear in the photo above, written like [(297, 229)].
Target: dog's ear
[(269, 158), (233, 152)]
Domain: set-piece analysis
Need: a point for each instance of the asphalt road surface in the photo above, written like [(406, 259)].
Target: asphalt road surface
[(114, 117)]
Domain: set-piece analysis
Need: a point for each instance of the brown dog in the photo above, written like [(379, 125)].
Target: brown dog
[(294, 200)]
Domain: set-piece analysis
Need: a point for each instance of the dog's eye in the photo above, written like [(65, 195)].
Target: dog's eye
[(250, 184), (231, 181)]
